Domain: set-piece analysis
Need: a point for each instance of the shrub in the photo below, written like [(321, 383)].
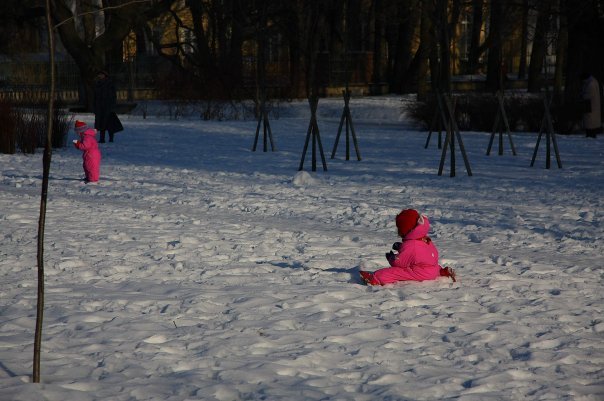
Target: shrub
[(477, 111), (8, 124), (30, 128), (25, 128), (61, 122)]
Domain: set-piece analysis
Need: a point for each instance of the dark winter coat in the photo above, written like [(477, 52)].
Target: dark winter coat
[(105, 99), (113, 123), (592, 119)]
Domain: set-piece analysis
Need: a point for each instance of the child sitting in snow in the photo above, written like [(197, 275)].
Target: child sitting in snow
[(416, 257), (92, 154)]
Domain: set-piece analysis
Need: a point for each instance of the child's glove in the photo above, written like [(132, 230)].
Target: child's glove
[(390, 256), (397, 246)]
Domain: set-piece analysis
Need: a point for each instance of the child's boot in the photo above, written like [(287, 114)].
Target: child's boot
[(448, 272), (368, 278)]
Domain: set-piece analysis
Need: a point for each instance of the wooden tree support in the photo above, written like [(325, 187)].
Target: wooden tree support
[(501, 122), (437, 122), (346, 118), (448, 121), (313, 130), (550, 136), (266, 128)]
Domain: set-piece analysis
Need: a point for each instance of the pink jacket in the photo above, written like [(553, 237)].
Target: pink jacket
[(417, 259), (91, 156)]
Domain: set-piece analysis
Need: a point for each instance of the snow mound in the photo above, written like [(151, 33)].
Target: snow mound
[(303, 179)]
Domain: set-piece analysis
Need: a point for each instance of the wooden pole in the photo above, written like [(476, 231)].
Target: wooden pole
[(313, 131), (501, 123), (266, 129), (436, 123), (346, 119), (547, 128), (448, 120)]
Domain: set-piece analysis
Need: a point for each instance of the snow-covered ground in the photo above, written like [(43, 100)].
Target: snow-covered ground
[(200, 270)]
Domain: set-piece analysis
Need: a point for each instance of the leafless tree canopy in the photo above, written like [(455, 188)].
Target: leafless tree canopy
[(219, 48)]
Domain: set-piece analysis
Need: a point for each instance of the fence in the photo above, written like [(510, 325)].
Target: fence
[(143, 76), (27, 81)]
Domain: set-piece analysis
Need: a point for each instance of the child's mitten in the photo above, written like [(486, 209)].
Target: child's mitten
[(397, 246), (390, 256)]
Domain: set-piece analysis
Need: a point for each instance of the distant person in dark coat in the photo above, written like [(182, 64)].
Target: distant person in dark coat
[(592, 118), (105, 99)]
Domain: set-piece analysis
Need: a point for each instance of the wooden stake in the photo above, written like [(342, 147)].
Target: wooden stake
[(266, 128), (448, 121), (313, 130), (547, 127), (501, 118), (346, 117)]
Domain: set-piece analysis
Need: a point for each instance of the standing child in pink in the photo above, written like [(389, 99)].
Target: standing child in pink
[(416, 257), (90, 147)]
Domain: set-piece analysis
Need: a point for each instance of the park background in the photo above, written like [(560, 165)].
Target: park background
[(192, 224)]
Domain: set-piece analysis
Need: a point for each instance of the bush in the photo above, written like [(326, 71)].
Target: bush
[(8, 127), (61, 122), (26, 128), (477, 111), (30, 129)]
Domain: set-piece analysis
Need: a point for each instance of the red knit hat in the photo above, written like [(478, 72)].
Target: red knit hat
[(406, 221), (80, 126)]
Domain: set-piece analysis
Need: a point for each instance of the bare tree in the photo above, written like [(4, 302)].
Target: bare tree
[(43, 200), (87, 46)]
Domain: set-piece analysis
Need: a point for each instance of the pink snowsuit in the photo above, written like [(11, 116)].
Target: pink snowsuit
[(417, 259), (91, 156)]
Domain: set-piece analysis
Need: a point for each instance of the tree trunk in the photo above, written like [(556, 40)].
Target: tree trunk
[(401, 54), (423, 57), (452, 36), (474, 53), (561, 49), (261, 58), (444, 67), (537, 61), (524, 40), (494, 80), (377, 17), (205, 61), (235, 59), (293, 32), (355, 33)]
